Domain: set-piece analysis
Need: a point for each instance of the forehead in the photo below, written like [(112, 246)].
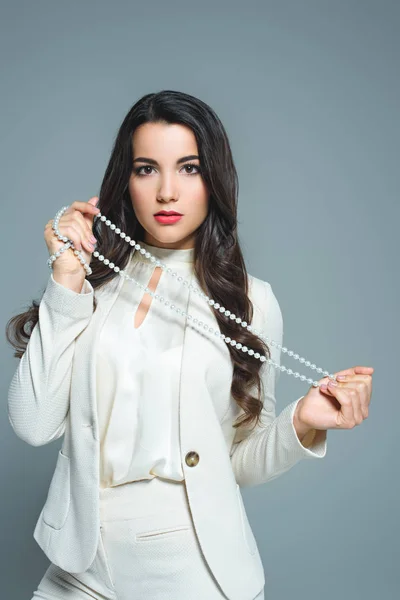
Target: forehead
[(162, 140)]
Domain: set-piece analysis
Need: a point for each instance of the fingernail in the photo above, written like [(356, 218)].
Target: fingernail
[(93, 239), (341, 377), (331, 382), (323, 387)]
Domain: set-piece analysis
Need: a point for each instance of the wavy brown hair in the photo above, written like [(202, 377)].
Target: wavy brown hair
[(218, 260)]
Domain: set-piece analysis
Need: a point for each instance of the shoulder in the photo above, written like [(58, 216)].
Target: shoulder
[(259, 292), (265, 303)]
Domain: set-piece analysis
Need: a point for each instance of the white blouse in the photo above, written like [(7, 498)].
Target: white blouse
[(137, 373)]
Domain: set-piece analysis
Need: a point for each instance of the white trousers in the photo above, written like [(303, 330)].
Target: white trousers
[(148, 549)]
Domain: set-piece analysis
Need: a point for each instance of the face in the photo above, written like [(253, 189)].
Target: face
[(164, 178)]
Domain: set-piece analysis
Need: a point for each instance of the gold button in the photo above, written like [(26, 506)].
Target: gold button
[(192, 459)]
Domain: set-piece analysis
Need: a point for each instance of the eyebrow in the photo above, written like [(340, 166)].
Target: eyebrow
[(154, 162)]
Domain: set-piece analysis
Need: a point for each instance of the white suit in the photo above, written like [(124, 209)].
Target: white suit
[(53, 393)]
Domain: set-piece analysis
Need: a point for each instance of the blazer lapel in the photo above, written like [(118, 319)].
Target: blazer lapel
[(87, 349)]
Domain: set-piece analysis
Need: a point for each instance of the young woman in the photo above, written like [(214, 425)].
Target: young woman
[(165, 398)]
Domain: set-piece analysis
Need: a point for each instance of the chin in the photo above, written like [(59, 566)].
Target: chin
[(170, 238)]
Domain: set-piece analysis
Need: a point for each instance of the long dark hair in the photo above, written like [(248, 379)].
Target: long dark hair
[(218, 260)]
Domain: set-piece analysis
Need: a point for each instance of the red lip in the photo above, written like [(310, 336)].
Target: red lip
[(168, 219), (168, 213)]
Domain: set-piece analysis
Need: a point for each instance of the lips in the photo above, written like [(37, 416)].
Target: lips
[(168, 218), (168, 213)]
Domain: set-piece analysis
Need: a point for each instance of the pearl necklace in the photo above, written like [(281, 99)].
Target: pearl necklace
[(198, 291)]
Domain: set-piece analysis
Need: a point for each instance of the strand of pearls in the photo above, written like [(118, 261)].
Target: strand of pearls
[(182, 313), (68, 244)]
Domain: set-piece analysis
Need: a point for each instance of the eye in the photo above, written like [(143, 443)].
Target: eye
[(192, 165), (139, 172)]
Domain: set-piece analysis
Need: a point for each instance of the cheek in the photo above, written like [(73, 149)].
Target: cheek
[(138, 198), (201, 201), (202, 207)]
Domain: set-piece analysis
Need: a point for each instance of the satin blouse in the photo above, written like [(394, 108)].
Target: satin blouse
[(137, 375)]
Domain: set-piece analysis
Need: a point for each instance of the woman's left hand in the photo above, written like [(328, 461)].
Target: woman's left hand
[(336, 407)]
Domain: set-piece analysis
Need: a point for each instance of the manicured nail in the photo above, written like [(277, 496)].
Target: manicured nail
[(331, 382), (341, 377)]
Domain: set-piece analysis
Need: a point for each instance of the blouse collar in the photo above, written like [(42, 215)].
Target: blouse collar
[(165, 255)]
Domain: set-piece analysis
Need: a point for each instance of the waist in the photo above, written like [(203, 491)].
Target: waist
[(142, 498)]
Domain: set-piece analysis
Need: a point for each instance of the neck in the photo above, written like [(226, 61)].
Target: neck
[(165, 255)]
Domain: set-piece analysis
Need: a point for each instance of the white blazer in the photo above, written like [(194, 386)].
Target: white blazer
[(52, 393)]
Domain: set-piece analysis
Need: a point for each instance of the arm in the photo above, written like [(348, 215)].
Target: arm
[(273, 447), (38, 396)]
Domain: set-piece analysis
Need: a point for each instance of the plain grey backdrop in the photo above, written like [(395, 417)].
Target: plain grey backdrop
[(309, 94)]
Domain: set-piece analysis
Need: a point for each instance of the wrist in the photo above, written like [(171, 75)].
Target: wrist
[(72, 281), (301, 428)]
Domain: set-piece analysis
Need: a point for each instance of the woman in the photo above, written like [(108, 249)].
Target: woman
[(163, 420)]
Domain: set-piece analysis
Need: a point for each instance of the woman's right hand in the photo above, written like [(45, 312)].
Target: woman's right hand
[(77, 225)]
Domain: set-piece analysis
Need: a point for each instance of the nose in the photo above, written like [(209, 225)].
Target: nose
[(167, 190)]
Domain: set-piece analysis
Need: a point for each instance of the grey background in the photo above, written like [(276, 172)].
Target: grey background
[(309, 94)]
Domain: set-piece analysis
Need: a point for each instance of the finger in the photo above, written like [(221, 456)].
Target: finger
[(359, 370), (345, 418), (83, 213), (72, 231), (363, 385), (90, 217), (359, 381), (87, 208), (87, 237), (75, 227), (364, 370)]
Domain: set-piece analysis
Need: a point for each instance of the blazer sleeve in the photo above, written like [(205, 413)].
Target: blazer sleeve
[(261, 454), (39, 392)]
